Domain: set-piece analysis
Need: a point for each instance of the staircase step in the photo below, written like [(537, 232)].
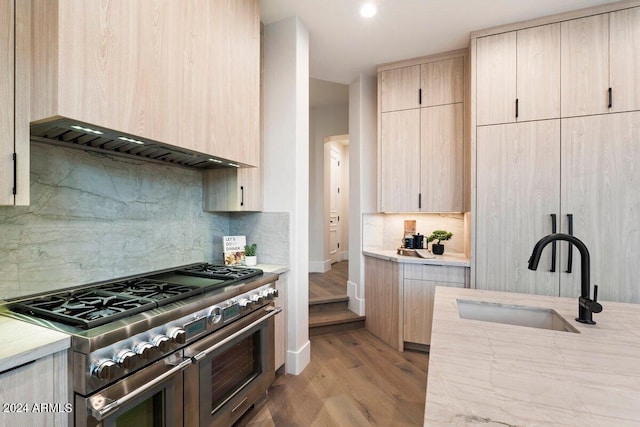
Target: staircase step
[(334, 320), (329, 304), (328, 300)]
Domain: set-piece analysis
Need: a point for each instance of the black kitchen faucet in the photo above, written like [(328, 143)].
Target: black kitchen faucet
[(586, 305)]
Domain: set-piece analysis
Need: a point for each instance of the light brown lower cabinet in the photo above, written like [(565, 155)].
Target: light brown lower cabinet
[(419, 287), (383, 298), (36, 394), (399, 299), (280, 325)]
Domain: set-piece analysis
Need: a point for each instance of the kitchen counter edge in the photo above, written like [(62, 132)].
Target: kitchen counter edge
[(450, 260), (24, 343)]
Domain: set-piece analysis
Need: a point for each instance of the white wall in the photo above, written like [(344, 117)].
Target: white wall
[(286, 167), (363, 168), (324, 121)]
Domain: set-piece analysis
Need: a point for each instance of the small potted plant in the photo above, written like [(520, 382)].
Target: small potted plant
[(250, 258), (439, 235)]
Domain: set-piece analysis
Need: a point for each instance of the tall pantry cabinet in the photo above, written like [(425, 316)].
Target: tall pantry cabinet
[(561, 158), (14, 107)]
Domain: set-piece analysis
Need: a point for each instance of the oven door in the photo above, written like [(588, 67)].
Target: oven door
[(151, 397), (234, 368)]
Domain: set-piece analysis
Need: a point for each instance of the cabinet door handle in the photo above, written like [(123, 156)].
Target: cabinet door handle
[(15, 174), (553, 247), (610, 97), (420, 96), (419, 200), (241, 195), (516, 108), (570, 254)]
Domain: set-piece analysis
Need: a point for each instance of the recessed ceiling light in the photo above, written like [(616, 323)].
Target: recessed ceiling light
[(368, 10)]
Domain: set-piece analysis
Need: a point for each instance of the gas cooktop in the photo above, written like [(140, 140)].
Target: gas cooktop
[(220, 271), (102, 303)]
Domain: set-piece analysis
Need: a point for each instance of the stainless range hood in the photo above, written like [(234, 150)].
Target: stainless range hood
[(75, 134)]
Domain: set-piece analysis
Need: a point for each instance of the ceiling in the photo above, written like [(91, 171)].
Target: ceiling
[(343, 45)]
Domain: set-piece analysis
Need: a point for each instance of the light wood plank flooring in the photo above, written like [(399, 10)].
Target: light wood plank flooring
[(353, 379), (330, 284)]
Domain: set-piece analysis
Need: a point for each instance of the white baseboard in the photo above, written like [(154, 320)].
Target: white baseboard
[(344, 256), (355, 304), (298, 360), (319, 266)]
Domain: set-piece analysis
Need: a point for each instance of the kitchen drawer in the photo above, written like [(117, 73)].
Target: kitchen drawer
[(435, 273)]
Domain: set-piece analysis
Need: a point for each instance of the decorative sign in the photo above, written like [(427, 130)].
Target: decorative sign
[(233, 251)]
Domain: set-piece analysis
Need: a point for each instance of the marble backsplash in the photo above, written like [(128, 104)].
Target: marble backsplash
[(385, 231), (96, 217)]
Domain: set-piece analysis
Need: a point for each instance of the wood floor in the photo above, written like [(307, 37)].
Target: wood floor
[(330, 284), (353, 379)]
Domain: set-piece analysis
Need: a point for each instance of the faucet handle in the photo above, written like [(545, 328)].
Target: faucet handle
[(595, 293)]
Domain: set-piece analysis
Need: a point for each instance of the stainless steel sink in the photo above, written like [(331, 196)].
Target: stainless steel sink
[(517, 315)]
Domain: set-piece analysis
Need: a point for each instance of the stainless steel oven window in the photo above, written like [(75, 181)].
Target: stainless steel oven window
[(234, 368), (155, 408), (148, 413)]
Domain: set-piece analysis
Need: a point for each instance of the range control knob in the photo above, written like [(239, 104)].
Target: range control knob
[(177, 335), (245, 304), (257, 298), (273, 292), (125, 358), (162, 342), (143, 349), (105, 370), (215, 315)]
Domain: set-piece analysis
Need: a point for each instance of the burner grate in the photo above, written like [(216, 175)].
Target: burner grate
[(86, 309), (157, 290), (225, 272)]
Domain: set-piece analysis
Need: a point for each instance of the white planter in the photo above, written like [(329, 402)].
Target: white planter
[(250, 261)]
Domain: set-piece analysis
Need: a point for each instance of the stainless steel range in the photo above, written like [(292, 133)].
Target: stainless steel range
[(186, 346)]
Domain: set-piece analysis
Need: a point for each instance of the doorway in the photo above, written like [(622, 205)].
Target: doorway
[(336, 196)]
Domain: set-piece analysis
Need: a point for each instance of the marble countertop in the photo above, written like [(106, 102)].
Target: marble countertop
[(23, 342), (492, 374), (448, 259), (273, 268)]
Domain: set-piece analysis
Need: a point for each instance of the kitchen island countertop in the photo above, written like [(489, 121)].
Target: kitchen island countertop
[(23, 342), (448, 259), (493, 374)]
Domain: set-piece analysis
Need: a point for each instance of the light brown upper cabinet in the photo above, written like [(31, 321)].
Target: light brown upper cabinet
[(231, 190), (180, 73), (585, 66), (421, 144), (600, 66), (624, 45), (442, 82), (518, 75), (400, 161), (14, 104), (441, 166), (400, 89)]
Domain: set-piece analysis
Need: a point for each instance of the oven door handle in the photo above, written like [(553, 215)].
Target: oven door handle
[(204, 353), (100, 413)]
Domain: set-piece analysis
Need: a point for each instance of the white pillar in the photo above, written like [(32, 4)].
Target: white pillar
[(363, 178), (286, 167)]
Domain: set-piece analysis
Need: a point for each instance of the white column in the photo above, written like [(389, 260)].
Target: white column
[(286, 167), (363, 178)]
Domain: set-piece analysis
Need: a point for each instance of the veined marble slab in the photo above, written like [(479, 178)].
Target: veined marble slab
[(448, 259), (492, 374), (23, 342)]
